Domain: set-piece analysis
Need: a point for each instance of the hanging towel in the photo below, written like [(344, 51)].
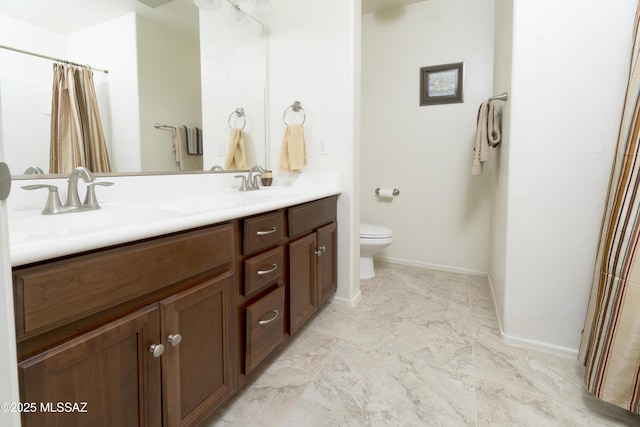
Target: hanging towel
[(487, 135), (187, 161), (194, 140), (235, 153), (294, 152)]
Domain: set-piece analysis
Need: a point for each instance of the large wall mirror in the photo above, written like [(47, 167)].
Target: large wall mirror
[(168, 65)]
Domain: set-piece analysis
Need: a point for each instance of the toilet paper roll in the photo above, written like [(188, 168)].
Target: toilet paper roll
[(386, 193)]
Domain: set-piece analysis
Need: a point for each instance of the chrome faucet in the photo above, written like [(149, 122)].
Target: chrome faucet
[(73, 199), (53, 205), (253, 179), (216, 168)]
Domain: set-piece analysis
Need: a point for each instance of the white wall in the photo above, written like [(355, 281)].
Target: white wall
[(169, 84), (569, 75), (499, 166), (26, 97), (441, 217), (314, 59), (233, 76)]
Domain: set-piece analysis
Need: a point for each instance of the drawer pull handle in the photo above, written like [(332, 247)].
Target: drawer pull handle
[(174, 339), (271, 270), (265, 232), (156, 350), (266, 322)]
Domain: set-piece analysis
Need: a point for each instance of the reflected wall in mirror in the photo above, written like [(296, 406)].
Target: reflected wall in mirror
[(169, 65)]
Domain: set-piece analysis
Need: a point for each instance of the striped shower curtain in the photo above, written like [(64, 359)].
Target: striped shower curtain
[(77, 138), (610, 348)]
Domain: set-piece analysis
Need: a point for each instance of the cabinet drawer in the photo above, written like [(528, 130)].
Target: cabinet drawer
[(262, 232), (306, 217), (262, 270), (264, 327), (59, 292)]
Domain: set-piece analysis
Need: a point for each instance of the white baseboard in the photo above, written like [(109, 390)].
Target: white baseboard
[(523, 342), (347, 302), (431, 266)]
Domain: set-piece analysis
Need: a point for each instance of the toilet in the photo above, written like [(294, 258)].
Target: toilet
[(373, 239)]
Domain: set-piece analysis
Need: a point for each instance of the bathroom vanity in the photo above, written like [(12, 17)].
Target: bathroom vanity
[(163, 329)]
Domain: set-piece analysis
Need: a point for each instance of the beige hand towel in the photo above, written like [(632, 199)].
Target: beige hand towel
[(487, 135), (235, 159), (294, 152), (187, 161)]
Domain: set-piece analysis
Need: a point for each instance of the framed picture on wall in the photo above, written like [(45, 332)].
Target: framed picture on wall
[(441, 84)]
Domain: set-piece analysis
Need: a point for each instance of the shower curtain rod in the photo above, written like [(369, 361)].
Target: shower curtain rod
[(52, 58)]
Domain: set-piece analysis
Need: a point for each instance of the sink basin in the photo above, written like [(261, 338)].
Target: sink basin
[(33, 226)]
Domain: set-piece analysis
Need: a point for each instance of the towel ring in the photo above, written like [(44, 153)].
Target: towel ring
[(239, 112), (295, 107)]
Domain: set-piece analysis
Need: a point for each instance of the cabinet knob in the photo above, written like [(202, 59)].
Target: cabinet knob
[(266, 322), (319, 251), (156, 350), (174, 339)]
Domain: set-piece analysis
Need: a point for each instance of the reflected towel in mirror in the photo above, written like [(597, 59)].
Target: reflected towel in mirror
[(194, 140), (235, 159), (187, 161)]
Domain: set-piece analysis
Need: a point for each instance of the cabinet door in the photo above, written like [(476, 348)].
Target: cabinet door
[(198, 368), (327, 261), (303, 292), (110, 369)]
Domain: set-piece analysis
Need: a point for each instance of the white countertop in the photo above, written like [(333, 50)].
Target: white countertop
[(36, 237)]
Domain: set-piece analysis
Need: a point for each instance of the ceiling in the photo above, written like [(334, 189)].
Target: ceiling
[(55, 15), (370, 6)]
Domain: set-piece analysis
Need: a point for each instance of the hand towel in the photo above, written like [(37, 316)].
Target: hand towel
[(235, 152), (294, 151), (487, 135), (187, 161), (194, 140)]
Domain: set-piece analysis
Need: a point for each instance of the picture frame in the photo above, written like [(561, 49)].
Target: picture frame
[(442, 84)]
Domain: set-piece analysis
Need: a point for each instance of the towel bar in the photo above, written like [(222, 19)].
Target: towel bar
[(502, 97), (164, 127), (295, 107)]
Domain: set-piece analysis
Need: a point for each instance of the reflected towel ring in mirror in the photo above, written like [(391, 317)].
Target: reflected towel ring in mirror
[(295, 107), (239, 112)]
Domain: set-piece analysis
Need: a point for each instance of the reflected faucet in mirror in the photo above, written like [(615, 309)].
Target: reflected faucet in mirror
[(34, 170)]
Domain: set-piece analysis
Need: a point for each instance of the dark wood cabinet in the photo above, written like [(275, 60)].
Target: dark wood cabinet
[(162, 331), (198, 364), (312, 258), (142, 346), (109, 372), (261, 296), (303, 294), (327, 261)]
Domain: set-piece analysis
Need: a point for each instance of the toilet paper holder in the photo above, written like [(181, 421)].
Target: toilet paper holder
[(396, 192)]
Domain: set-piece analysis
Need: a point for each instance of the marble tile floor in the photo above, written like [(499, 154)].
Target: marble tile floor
[(422, 348)]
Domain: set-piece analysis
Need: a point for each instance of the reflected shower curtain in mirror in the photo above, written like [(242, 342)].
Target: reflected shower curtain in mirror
[(610, 348), (76, 130)]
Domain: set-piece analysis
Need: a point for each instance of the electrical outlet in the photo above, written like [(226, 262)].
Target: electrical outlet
[(221, 149), (323, 146)]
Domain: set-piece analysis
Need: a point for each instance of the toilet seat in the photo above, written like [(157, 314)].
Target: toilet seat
[(370, 231)]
